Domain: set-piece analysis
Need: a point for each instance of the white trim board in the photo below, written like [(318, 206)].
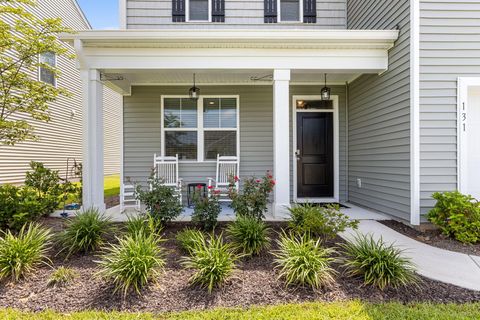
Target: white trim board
[(336, 147), (464, 83), (415, 112)]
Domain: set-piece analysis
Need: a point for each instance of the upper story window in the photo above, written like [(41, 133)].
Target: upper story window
[(198, 10), (290, 10), (46, 75)]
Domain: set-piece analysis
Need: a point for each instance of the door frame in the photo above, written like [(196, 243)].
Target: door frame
[(463, 83), (336, 148)]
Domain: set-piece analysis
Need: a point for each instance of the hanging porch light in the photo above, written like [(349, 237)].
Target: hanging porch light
[(194, 91), (325, 93)]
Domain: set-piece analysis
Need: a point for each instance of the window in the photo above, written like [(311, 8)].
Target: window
[(46, 75), (198, 10), (290, 10), (199, 130)]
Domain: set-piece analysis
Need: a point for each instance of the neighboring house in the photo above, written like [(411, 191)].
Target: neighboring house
[(61, 138), (387, 140)]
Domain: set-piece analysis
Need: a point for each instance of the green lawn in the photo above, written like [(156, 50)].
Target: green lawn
[(111, 185), (339, 310)]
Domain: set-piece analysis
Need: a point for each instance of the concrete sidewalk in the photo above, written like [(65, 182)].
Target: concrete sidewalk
[(438, 264)]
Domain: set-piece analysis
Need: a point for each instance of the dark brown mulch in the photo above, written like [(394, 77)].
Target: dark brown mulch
[(433, 237), (112, 201), (255, 282)]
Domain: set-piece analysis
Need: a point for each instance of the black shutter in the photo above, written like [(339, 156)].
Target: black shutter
[(218, 10), (310, 11), (270, 11), (178, 10)]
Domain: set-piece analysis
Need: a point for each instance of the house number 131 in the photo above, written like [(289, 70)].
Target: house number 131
[(464, 117)]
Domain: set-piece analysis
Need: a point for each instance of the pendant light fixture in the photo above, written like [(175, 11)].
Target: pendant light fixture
[(194, 91), (325, 93)]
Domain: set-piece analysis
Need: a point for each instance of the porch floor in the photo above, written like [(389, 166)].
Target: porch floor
[(227, 214)]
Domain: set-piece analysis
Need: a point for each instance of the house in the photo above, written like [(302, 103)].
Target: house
[(400, 123), (61, 138)]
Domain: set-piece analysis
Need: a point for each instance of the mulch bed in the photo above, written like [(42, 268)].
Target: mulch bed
[(255, 283), (112, 201), (433, 237)]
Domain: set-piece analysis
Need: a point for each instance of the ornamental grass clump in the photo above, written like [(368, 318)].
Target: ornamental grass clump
[(379, 264), (133, 262), (21, 254), (302, 260), (61, 276), (213, 262), (189, 239), (249, 235), (85, 232), (142, 224)]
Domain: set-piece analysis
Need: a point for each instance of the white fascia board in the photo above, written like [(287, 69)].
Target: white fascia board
[(119, 38)]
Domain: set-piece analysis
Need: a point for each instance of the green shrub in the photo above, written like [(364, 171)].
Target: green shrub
[(189, 239), (18, 205), (206, 210), (301, 260), (320, 221), (143, 224), (61, 276), (132, 262), (22, 253), (252, 199), (161, 201), (85, 232), (249, 235), (379, 264), (213, 262), (457, 215)]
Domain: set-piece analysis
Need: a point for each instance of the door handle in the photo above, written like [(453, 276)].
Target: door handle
[(297, 154)]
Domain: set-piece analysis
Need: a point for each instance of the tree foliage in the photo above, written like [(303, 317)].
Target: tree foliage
[(23, 37)]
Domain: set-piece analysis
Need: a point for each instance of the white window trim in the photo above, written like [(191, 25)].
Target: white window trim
[(336, 148), (187, 12), (39, 71), (199, 129), (464, 83), (300, 12)]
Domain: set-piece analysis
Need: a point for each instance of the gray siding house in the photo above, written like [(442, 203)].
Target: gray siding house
[(400, 122), (61, 138)]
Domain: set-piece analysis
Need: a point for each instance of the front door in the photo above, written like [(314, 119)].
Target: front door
[(315, 173), (472, 130)]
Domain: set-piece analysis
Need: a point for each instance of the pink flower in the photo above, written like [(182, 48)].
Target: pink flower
[(199, 186), (258, 180), (216, 191), (272, 182), (236, 178), (210, 187)]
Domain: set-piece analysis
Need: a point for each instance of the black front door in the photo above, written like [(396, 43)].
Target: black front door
[(315, 155)]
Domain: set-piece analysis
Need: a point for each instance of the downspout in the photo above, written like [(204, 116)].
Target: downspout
[(347, 198)]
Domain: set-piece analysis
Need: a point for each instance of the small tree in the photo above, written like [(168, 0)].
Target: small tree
[(21, 43)]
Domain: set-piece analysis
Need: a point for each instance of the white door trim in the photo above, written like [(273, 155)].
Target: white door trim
[(336, 148), (462, 117)]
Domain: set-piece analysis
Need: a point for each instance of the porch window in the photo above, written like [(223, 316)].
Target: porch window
[(289, 10), (199, 130), (46, 75), (198, 10)]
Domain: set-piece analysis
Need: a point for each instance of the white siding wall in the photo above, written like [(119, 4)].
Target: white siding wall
[(61, 138), (156, 14), (379, 115), (449, 48)]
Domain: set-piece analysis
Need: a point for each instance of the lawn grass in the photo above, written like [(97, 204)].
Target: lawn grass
[(111, 185), (354, 310)]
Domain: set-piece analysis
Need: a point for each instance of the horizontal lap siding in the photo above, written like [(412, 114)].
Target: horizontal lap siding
[(61, 138), (142, 130), (379, 116), (157, 14), (449, 48)]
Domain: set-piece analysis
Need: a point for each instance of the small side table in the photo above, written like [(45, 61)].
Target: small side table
[(192, 188)]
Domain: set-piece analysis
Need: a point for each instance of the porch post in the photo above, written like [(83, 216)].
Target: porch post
[(281, 139), (92, 149)]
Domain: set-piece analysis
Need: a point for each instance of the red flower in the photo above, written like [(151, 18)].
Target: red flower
[(216, 191), (236, 178), (272, 182), (210, 187), (199, 186), (258, 180)]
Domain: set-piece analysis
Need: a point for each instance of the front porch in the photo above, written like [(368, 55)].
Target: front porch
[(269, 76)]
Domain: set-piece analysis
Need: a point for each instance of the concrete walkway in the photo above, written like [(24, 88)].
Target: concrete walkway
[(438, 264)]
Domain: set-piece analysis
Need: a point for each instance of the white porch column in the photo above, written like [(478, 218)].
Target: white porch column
[(281, 139), (92, 139)]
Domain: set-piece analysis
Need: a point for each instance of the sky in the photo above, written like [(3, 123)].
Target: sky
[(102, 14)]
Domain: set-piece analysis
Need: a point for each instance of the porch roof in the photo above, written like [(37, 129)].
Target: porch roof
[(130, 53)]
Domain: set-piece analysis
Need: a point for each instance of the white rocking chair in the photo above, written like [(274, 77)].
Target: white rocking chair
[(128, 197), (166, 171), (227, 167)]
